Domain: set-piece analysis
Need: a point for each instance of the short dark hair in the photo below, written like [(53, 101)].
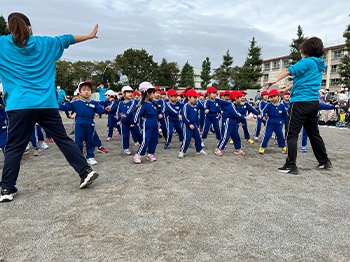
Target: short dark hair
[(84, 85), (312, 47)]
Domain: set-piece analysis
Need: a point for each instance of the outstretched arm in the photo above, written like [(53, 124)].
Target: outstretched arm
[(279, 77), (82, 38)]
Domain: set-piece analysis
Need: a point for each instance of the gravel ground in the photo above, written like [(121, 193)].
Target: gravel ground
[(201, 208)]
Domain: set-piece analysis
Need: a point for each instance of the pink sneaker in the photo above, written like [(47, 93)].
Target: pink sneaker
[(137, 159), (117, 134), (218, 152), (151, 158), (239, 152), (109, 139)]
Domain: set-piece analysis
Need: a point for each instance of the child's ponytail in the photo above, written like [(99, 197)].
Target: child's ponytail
[(18, 24)]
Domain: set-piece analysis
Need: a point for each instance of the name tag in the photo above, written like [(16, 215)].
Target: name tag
[(92, 105), (280, 112), (4, 127), (217, 104), (176, 107), (195, 109), (244, 107)]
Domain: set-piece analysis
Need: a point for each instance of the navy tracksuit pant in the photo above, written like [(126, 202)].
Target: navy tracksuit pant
[(3, 137), (84, 131), (188, 134), (273, 125), (211, 119), (112, 123), (20, 121), (149, 137), (258, 126), (230, 130), (125, 133), (171, 124), (245, 129)]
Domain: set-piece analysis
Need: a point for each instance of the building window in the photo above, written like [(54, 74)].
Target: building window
[(276, 64), (324, 57), (286, 63), (334, 69), (337, 54), (267, 66), (266, 77), (323, 83), (335, 82)]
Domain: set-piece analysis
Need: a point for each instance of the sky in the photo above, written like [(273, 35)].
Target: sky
[(184, 30)]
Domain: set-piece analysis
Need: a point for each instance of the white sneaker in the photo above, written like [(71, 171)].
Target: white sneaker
[(127, 151), (256, 138), (44, 145), (27, 147), (91, 161), (202, 144)]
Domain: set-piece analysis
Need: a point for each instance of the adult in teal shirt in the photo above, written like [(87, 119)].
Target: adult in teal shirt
[(304, 103), (27, 71), (102, 90)]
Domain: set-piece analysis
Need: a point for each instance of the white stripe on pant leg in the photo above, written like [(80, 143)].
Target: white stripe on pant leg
[(225, 134), (168, 129), (205, 121), (122, 134), (143, 137), (184, 140)]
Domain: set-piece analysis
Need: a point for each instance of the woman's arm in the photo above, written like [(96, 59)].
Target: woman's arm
[(82, 38), (279, 77)]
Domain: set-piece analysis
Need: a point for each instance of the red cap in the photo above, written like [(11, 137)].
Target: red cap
[(156, 88), (273, 92), (172, 92), (222, 93), (182, 93), (188, 88), (287, 93), (136, 93), (120, 93), (192, 93), (212, 90), (243, 92), (227, 92), (234, 94), (264, 92), (200, 93), (85, 83), (162, 92)]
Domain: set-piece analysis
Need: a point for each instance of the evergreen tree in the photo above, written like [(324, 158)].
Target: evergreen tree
[(344, 68), (187, 76), (3, 26), (223, 74), (295, 54), (161, 74), (205, 74), (248, 75)]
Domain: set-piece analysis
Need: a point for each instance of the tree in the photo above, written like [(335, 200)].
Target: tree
[(187, 76), (65, 76), (344, 68), (3, 26), (205, 74), (295, 54), (223, 74), (106, 72), (247, 76), (161, 74), (137, 65)]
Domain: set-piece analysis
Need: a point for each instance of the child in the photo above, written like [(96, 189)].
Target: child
[(160, 111), (112, 121), (212, 109), (147, 110), (163, 95), (40, 135), (244, 107), (35, 143), (200, 103), (125, 119), (286, 103), (85, 125), (189, 115), (136, 95), (233, 117), (173, 117), (277, 115), (261, 106)]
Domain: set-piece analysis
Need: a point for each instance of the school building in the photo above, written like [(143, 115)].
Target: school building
[(330, 78)]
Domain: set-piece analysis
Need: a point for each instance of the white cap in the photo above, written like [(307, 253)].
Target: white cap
[(109, 92), (127, 88), (144, 86), (76, 92), (321, 90)]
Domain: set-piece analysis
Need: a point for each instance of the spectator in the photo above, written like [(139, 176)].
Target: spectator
[(102, 90), (61, 94), (258, 96), (327, 96), (336, 97), (321, 96)]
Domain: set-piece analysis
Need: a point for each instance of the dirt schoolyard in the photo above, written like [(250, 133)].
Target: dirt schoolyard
[(201, 208)]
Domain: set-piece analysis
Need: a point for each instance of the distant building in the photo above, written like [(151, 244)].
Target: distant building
[(330, 78), (197, 77)]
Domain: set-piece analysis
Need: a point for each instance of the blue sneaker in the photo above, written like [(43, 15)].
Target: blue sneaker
[(166, 146), (303, 149)]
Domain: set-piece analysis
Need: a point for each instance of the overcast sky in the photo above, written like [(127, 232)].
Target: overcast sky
[(181, 30)]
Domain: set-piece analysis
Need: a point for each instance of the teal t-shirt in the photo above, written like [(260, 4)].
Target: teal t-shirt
[(307, 79), (28, 74)]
